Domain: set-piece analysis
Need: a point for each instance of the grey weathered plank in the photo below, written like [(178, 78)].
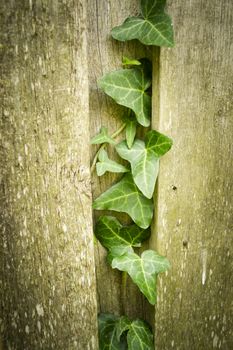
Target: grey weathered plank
[(195, 207), (47, 279)]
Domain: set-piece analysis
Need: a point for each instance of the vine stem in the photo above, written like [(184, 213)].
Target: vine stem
[(113, 136)]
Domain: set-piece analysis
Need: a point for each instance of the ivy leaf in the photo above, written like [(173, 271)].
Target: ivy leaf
[(112, 337), (102, 137), (128, 62), (152, 27), (119, 250), (111, 233), (143, 270), (107, 164), (123, 324), (139, 336), (128, 88), (108, 335), (130, 132), (144, 159), (126, 197)]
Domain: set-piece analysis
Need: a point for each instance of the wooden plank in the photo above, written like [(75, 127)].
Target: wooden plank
[(194, 217), (47, 277), (105, 55)]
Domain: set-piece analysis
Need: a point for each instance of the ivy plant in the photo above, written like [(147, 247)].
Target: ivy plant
[(111, 233), (129, 88), (125, 196), (152, 27), (133, 192), (120, 333), (144, 159), (102, 137), (142, 270), (105, 164)]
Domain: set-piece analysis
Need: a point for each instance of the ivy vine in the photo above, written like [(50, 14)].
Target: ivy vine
[(130, 87)]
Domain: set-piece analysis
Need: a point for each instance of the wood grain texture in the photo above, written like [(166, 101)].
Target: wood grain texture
[(105, 55), (195, 207), (47, 277)]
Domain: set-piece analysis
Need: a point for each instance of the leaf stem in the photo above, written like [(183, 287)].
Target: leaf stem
[(114, 135), (117, 132)]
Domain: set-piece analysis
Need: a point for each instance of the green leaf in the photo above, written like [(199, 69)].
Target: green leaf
[(153, 27), (112, 337), (128, 88), (128, 62), (139, 336), (118, 251), (108, 335), (126, 197), (143, 270), (131, 128), (111, 233), (107, 164), (112, 333), (144, 159), (102, 137), (123, 324)]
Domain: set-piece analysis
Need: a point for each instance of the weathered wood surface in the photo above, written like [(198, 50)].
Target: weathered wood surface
[(47, 280), (105, 55), (194, 218)]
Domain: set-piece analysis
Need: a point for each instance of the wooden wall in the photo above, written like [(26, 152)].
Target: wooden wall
[(194, 223), (51, 51), (192, 103), (47, 274)]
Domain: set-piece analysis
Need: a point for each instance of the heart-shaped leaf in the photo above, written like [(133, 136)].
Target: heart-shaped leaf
[(102, 137), (144, 159), (112, 335), (106, 164), (111, 233), (139, 336), (116, 251), (153, 27), (126, 197), (143, 270), (108, 335), (123, 324), (128, 88)]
